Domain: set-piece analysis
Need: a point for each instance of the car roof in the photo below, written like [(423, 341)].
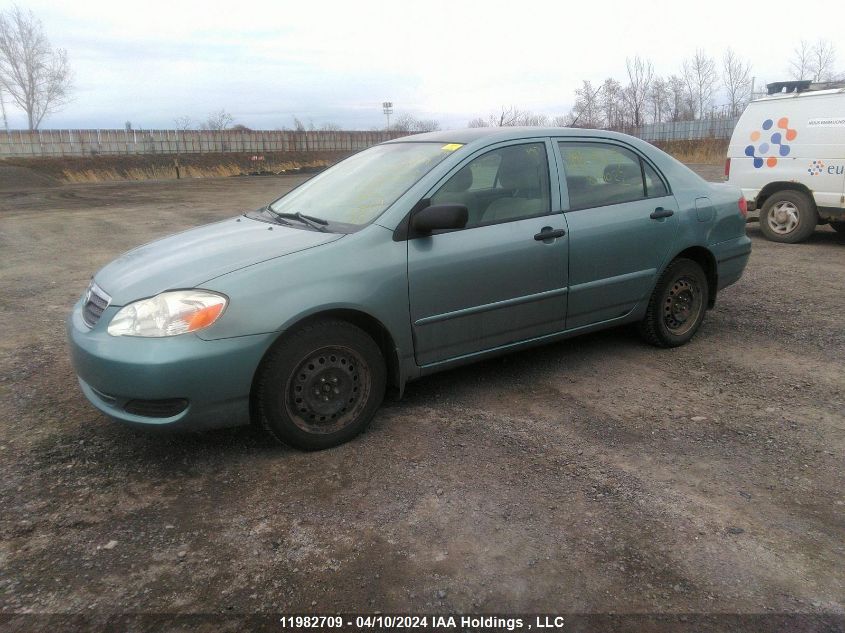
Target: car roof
[(496, 134)]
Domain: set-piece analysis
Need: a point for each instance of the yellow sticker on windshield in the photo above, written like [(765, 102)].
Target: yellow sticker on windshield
[(451, 147)]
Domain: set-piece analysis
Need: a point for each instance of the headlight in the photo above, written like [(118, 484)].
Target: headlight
[(168, 314)]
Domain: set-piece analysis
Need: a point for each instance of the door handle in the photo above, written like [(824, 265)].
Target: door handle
[(548, 233), (660, 212)]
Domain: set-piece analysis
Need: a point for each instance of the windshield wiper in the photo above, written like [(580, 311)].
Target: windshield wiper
[(276, 215), (315, 223)]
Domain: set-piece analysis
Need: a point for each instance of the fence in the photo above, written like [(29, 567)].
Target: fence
[(53, 143), (721, 127)]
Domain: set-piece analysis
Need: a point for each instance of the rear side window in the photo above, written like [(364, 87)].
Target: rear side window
[(600, 174), (654, 186)]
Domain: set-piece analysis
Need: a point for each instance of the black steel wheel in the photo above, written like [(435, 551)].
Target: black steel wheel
[(677, 305), (682, 305), (320, 385), (328, 389)]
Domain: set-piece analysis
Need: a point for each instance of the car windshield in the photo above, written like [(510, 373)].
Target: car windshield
[(358, 189)]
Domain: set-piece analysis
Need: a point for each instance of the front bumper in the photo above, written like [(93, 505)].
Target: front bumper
[(214, 377)]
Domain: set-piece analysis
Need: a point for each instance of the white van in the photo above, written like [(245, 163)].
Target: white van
[(787, 154)]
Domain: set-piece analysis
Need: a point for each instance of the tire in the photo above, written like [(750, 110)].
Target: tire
[(788, 217), (320, 385), (839, 227), (677, 305)]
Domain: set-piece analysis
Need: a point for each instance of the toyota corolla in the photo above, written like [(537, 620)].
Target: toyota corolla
[(413, 256)]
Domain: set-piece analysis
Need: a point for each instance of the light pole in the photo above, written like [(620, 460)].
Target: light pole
[(387, 107)]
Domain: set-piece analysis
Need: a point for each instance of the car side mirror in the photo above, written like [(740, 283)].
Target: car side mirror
[(439, 217)]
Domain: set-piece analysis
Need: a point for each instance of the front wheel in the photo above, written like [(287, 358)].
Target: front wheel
[(788, 216), (320, 385), (677, 305)]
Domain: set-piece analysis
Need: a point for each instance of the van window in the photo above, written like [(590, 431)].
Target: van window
[(599, 174)]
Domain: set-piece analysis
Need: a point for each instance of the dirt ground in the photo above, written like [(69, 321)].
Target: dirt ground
[(594, 475)]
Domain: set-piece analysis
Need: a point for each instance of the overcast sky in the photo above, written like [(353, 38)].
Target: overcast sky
[(335, 62)]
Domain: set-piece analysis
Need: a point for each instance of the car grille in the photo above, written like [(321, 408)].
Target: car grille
[(156, 408), (96, 301)]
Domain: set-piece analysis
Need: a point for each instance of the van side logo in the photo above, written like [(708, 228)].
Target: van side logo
[(777, 138), (818, 167)]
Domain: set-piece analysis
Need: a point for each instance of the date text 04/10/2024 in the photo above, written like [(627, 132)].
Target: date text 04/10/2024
[(382, 621)]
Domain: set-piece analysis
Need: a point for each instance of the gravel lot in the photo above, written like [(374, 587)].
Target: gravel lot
[(595, 475)]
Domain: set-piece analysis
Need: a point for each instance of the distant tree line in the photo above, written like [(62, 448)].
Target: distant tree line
[(645, 97)]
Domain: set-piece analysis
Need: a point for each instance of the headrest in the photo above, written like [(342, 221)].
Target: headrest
[(460, 181), (519, 168), (619, 173), (577, 183)]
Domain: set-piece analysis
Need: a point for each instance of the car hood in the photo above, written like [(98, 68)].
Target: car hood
[(187, 259)]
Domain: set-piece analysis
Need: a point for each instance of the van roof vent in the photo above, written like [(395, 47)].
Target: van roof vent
[(802, 85)]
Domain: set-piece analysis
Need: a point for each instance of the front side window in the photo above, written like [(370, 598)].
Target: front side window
[(360, 188), (505, 184), (599, 174)]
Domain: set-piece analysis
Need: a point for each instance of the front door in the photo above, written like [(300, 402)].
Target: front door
[(622, 222), (503, 278)]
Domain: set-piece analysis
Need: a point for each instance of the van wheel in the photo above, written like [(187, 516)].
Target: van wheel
[(677, 305), (839, 227), (320, 385), (788, 216)]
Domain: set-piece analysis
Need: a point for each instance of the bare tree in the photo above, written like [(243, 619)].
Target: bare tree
[(678, 108), (404, 123), (640, 74), (36, 75), (507, 117), (700, 78), (611, 104), (409, 123), (799, 65), (561, 120), (510, 117), (533, 119), (736, 80), (298, 125), (587, 110), (183, 122), (659, 98), (330, 127), (219, 120), (822, 61)]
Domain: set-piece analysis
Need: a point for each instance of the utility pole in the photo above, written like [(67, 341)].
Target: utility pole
[(3, 108), (387, 108)]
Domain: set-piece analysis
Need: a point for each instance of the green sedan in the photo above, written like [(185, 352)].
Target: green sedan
[(413, 256)]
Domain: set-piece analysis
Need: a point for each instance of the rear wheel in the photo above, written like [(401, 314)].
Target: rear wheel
[(788, 217), (677, 305), (320, 385)]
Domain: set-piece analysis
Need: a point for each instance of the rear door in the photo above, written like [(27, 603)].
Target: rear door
[(622, 221)]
